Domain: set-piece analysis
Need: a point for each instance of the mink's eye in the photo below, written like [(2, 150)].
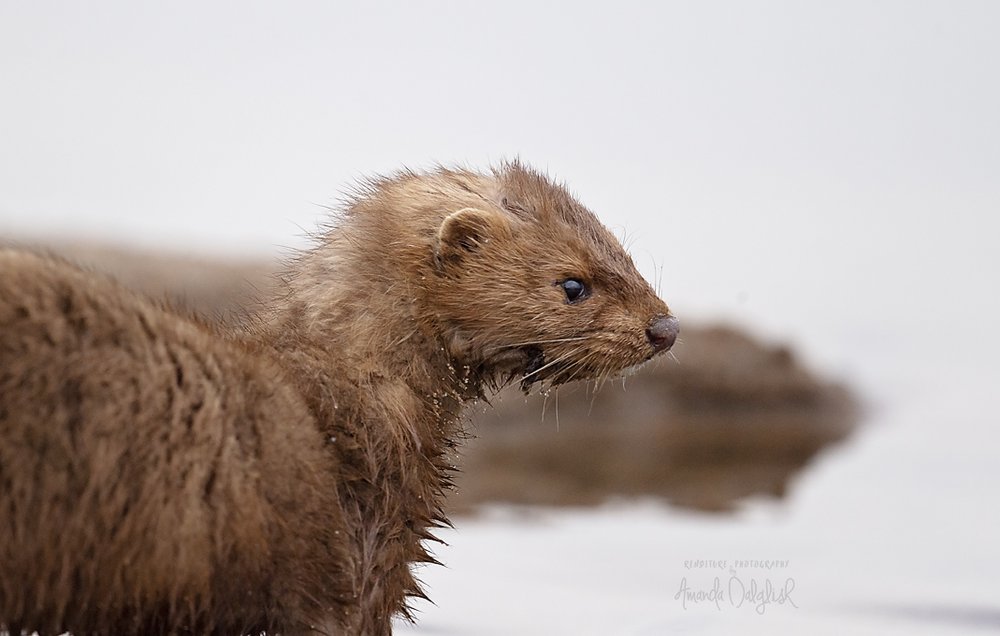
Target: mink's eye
[(575, 289)]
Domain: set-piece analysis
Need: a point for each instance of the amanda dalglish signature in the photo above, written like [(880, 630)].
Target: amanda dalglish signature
[(738, 592)]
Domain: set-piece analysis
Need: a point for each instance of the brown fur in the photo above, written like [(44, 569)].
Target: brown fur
[(161, 475)]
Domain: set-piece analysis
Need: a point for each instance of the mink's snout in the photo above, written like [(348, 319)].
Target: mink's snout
[(662, 332)]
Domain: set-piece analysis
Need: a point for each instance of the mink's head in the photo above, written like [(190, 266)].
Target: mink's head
[(529, 285)]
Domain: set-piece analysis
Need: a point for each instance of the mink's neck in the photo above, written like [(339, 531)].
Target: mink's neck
[(349, 320), (355, 336)]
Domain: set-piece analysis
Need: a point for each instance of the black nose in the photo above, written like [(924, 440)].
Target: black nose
[(662, 332)]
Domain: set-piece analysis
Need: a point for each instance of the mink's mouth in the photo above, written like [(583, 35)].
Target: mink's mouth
[(535, 362), (536, 369), (507, 365)]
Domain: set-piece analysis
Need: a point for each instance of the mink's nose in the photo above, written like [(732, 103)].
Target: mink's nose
[(662, 332)]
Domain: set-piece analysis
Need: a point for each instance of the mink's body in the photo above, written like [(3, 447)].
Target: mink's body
[(161, 475)]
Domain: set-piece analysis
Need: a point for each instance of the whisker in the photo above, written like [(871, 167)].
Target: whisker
[(575, 364), (548, 364), (537, 342), (557, 409), (601, 377), (580, 365)]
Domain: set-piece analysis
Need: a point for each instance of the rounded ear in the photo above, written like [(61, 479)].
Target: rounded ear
[(466, 231)]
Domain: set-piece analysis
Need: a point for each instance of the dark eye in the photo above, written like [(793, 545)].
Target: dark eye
[(575, 289)]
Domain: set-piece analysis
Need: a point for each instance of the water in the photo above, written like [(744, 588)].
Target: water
[(894, 533)]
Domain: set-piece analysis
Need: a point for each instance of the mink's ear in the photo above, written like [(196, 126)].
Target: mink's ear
[(467, 231)]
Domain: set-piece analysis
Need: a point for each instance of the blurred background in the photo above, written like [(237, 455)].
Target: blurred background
[(815, 187)]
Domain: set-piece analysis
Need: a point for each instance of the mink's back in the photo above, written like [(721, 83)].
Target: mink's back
[(155, 477)]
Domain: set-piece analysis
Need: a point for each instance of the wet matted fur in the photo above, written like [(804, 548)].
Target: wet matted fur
[(160, 474)]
